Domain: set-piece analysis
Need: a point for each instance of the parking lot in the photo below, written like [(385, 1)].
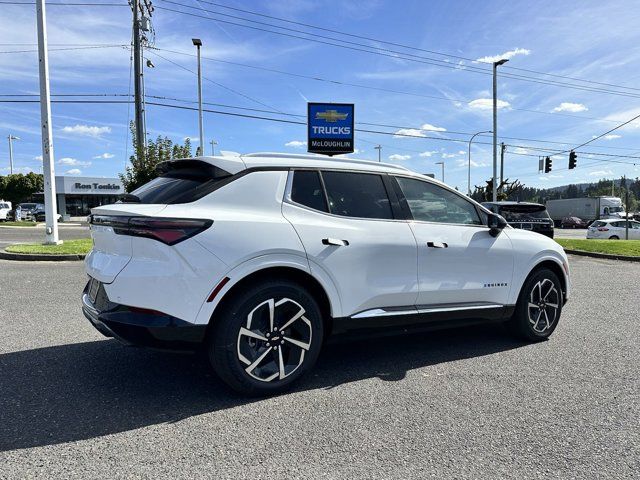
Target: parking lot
[(469, 403)]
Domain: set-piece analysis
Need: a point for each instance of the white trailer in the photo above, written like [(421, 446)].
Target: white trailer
[(586, 208)]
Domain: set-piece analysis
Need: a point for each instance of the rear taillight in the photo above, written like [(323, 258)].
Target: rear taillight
[(603, 229), (166, 230)]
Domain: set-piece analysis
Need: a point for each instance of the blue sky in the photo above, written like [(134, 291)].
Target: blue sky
[(591, 40)]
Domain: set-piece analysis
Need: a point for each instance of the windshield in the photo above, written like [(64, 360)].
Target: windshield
[(514, 213), (616, 209), (4, 205), (27, 206)]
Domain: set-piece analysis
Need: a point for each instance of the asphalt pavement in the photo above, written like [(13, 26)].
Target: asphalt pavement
[(467, 403), (10, 235)]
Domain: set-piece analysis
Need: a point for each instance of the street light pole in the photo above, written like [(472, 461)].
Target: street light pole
[(379, 148), (50, 204), (198, 43), (469, 171), (213, 142), (441, 163), (495, 126), (11, 139)]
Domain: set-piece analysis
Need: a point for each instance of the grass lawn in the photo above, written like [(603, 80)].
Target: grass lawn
[(630, 248), (18, 224), (77, 247)]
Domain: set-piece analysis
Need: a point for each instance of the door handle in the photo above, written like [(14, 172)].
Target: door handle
[(335, 241), (437, 245)]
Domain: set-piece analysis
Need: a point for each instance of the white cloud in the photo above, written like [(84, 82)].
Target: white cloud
[(72, 162), (296, 144), (412, 132), (427, 154), (487, 104), (191, 139), (74, 171), (87, 130), (611, 136), (570, 107), (38, 158), (449, 155), (397, 157), (601, 173), (433, 128), (508, 55), (105, 155), (520, 150), (463, 162)]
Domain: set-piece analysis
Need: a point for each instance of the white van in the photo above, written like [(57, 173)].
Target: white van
[(5, 208)]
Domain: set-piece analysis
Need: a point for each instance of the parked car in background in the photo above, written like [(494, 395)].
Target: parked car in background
[(38, 214), (614, 229), (573, 222), (256, 259), (524, 215), (5, 208), (26, 210)]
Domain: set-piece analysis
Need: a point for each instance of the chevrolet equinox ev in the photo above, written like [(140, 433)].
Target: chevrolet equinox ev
[(256, 259)]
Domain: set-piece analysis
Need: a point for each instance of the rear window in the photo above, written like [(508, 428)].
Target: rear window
[(598, 224), (514, 213), (181, 182), (361, 195)]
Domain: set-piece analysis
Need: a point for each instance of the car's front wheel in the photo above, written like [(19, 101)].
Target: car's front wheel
[(539, 306), (266, 337)]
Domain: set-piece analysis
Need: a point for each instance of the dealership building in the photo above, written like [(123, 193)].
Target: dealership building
[(78, 195)]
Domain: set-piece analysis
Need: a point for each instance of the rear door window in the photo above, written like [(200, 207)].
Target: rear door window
[(361, 195), (307, 190), (181, 182)]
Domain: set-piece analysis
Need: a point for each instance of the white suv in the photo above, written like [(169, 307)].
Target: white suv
[(259, 258)]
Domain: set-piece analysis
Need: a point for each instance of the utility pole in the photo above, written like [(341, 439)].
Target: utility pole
[(50, 204), (11, 139), (502, 149), (441, 163), (138, 82), (626, 218), (213, 142), (495, 126), (379, 148), (198, 43)]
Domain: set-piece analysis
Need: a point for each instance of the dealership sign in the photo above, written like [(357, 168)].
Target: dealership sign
[(330, 128)]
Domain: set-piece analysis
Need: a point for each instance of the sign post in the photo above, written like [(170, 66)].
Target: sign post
[(330, 128)]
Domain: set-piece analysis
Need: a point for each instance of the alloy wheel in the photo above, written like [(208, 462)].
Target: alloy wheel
[(274, 340), (543, 307)]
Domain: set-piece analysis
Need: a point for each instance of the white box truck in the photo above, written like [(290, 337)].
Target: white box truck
[(586, 208)]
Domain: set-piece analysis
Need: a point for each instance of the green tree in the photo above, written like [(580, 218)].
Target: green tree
[(17, 188), (143, 164)]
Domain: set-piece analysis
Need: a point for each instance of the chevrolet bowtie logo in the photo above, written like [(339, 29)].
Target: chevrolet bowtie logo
[(331, 116)]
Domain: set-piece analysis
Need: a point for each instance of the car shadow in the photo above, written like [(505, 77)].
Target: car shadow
[(79, 391)]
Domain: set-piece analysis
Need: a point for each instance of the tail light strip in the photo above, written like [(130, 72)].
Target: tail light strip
[(166, 230)]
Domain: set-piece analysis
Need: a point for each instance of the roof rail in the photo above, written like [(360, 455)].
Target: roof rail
[(323, 157)]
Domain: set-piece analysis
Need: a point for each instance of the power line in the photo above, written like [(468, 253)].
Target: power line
[(86, 47), (68, 4), (370, 87), (603, 134), (386, 52), (362, 37)]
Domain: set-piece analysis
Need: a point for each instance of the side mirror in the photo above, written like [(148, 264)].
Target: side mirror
[(496, 224)]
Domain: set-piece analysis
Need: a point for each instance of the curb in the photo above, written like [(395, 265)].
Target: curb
[(608, 256), (36, 257)]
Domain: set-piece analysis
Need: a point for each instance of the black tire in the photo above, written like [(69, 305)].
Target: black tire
[(614, 237), (227, 344), (525, 323)]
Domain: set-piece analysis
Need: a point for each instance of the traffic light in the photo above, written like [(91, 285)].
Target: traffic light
[(572, 159), (547, 164)]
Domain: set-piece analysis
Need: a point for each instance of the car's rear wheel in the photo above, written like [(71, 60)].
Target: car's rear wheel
[(539, 306), (614, 237), (266, 337)]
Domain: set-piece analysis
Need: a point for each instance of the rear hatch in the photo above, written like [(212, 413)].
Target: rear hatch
[(140, 214), (527, 217)]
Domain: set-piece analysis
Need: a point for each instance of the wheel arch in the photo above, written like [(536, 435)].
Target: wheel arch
[(288, 272), (556, 267)]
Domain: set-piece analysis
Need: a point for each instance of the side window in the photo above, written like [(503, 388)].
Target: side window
[(357, 195), (306, 190), (431, 203)]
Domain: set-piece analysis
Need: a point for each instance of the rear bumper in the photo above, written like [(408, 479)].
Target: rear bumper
[(140, 327)]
